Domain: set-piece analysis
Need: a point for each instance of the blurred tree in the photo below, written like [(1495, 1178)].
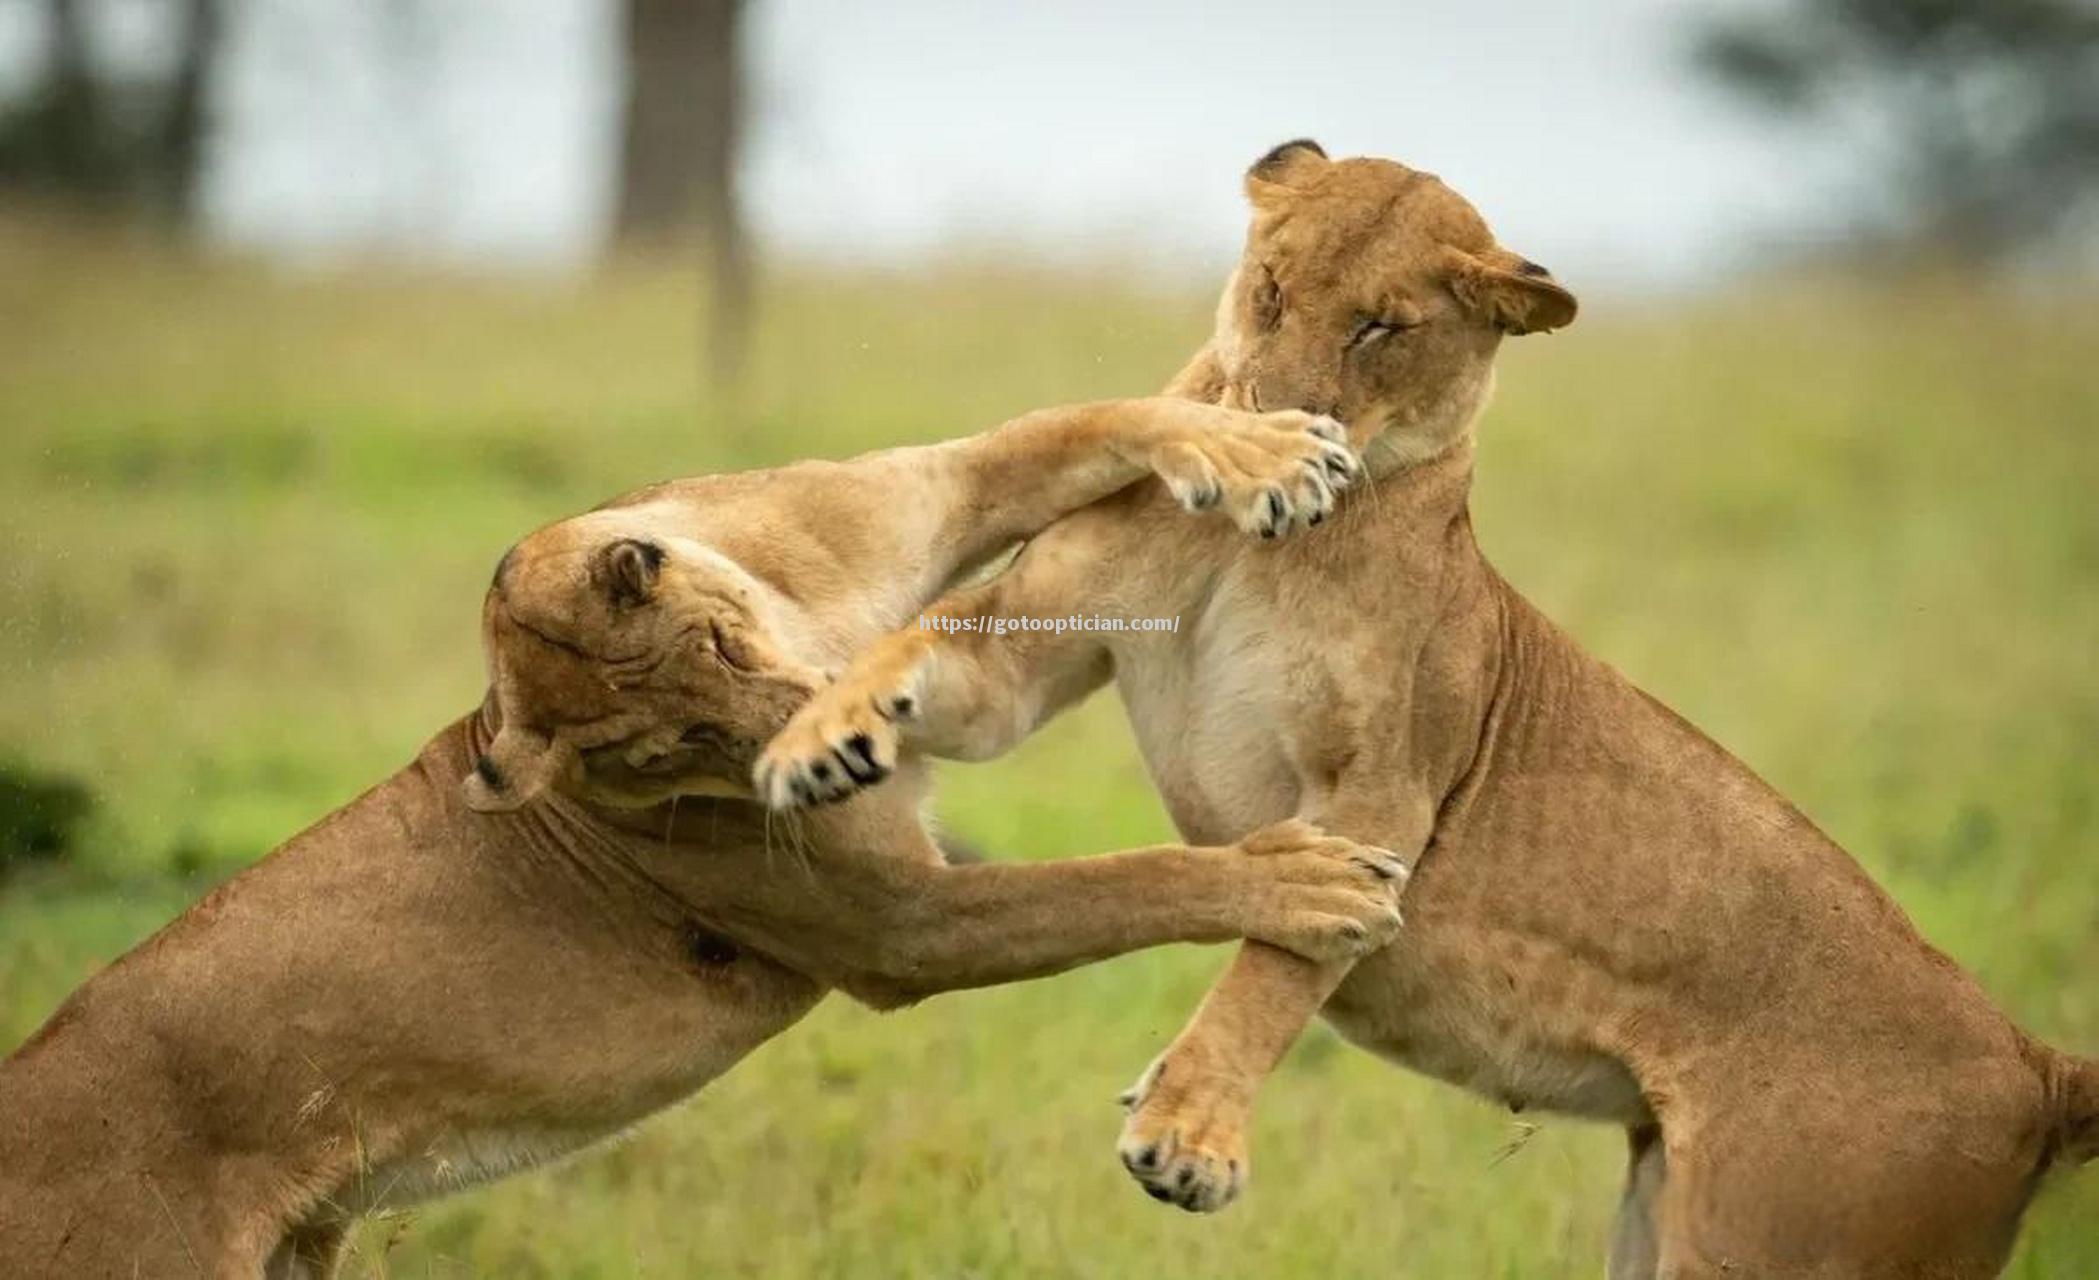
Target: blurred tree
[(179, 151), (684, 117), (83, 137), (1990, 107), (41, 815), (59, 139)]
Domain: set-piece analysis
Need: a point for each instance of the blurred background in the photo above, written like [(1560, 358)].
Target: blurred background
[(308, 308)]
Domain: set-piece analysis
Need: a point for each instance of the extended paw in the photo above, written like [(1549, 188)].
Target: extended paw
[(1327, 899), (842, 741), (1183, 1143), (1270, 472)]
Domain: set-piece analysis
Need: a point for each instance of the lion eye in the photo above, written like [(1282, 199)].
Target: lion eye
[(1371, 328), (730, 650)]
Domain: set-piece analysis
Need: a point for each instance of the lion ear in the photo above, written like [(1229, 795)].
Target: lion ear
[(629, 568), (516, 768), (1511, 293), (1285, 170)]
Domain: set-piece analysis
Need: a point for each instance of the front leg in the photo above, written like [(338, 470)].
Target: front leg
[(889, 928), (953, 686), (1297, 889), (1269, 472), (1184, 1139)]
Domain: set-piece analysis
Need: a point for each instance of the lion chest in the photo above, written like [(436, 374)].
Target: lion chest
[(1240, 715)]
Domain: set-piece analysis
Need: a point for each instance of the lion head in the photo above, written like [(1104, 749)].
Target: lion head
[(628, 666), (1375, 294)]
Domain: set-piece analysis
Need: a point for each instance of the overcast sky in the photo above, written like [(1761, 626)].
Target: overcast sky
[(888, 130)]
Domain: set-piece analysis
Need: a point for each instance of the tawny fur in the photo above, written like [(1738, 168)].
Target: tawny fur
[(1610, 917), (413, 997)]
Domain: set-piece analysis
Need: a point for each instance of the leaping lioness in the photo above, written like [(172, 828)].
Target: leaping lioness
[(1610, 916)]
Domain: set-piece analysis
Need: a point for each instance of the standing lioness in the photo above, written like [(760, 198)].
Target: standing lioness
[(411, 997), (1610, 915)]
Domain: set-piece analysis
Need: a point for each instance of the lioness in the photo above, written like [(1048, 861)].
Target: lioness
[(412, 997), (1610, 916)]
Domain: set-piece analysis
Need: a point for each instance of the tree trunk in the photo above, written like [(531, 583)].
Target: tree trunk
[(684, 115), (184, 122), (71, 141)]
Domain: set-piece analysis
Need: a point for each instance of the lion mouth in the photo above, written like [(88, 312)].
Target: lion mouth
[(705, 759)]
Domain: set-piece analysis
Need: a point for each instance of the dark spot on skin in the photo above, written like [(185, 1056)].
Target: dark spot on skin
[(1160, 1194), (1529, 268), (707, 948), (489, 773)]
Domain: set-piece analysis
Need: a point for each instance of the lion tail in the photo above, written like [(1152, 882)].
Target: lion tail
[(2077, 1106)]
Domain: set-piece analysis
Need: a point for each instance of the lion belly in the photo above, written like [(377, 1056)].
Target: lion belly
[(1411, 1005)]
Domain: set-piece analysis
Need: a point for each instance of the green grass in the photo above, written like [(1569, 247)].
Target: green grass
[(245, 521)]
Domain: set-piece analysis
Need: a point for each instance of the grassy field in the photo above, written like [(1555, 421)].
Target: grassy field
[(245, 523)]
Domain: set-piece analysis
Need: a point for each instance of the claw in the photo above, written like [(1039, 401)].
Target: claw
[(857, 758), (1384, 868)]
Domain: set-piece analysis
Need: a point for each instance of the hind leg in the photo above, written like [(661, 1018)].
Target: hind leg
[(1866, 1178), (1635, 1239)]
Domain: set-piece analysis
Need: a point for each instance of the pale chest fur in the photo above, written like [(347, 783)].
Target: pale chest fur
[(1241, 714), (1295, 684)]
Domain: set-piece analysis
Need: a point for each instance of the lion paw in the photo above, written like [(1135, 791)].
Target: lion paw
[(1270, 472), (1327, 899), (841, 742), (1183, 1143)]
